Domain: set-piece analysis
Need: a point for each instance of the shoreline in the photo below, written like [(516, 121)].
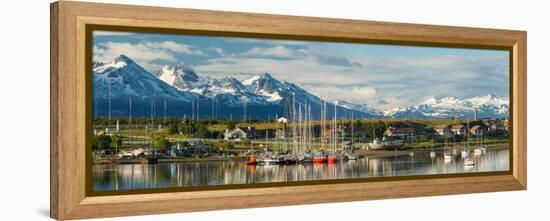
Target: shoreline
[(362, 153)]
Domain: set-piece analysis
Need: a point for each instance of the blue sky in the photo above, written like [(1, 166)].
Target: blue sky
[(382, 76)]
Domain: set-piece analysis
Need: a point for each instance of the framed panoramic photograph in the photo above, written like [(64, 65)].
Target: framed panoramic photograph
[(202, 110)]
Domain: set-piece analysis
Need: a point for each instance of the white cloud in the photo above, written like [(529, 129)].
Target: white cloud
[(357, 95), (174, 47), (264, 41), (112, 33), (400, 81), (220, 51), (144, 53), (278, 51)]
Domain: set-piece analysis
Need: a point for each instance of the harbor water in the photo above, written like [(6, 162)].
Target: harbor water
[(109, 177)]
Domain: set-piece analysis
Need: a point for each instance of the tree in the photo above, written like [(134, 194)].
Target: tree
[(160, 142), (101, 142), (231, 125), (202, 131), (173, 129), (116, 141)]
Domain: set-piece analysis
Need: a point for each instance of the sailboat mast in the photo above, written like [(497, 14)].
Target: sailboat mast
[(335, 129), (301, 132), (154, 105), (130, 117), (151, 112), (294, 135), (130, 110), (164, 109), (352, 134), (323, 121), (109, 102)]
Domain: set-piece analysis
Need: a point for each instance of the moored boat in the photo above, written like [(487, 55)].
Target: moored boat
[(469, 162), (251, 161), (320, 159)]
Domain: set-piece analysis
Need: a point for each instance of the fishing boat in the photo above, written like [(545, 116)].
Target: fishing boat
[(251, 161), (320, 158), (306, 158), (464, 154), (270, 160), (290, 159), (376, 144), (332, 159), (469, 162), (447, 156), (351, 156), (477, 151)]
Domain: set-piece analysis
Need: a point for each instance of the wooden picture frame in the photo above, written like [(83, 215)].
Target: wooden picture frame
[(69, 198)]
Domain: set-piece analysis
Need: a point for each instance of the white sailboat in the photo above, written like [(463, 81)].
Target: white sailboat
[(467, 161), (432, 153)]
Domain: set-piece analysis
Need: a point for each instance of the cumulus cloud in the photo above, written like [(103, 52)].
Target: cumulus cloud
[(144, 53), (326, 69), (357, 95), (112, 33), (381, 82), (256, 41), (174, 47), (278, 51)]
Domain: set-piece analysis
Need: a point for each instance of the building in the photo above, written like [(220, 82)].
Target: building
[(458, 129), (339, 132), (283, 120), (478, 130), (240, 133), (197, 146), (280, 134), (497, 125), (400, 132), (442, 130)]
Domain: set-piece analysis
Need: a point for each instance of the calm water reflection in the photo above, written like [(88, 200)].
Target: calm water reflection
[(164, 175)]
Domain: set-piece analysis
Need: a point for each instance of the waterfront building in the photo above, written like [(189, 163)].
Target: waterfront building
[(240, 133), (458, 129), (400, 132), (478, 130), (442, 130)]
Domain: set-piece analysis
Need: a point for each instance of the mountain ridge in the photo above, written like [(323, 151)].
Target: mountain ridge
[(263, 94)]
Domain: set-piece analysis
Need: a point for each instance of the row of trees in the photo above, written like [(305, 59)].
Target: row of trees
[(110, 142)]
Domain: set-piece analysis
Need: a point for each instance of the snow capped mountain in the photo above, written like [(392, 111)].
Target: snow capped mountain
[(180, 76), (451, 107), (179, 85), (116, 82), (123, 77), (266, 86), (227, 90)]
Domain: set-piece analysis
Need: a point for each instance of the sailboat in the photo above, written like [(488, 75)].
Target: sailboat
[(432, 153), (332, 157), (480, 148), (467, 161), (446, 154), (320, 156)]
